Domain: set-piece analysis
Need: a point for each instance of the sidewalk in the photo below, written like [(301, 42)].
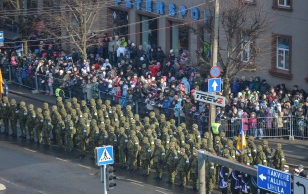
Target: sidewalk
[(27, 93)]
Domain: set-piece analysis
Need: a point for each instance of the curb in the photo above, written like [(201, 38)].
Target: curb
[(2, 187), (29, 97)]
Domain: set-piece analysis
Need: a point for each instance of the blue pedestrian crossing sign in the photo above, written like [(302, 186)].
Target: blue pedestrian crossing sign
[(274, 180), (104, 155), (214, 85)]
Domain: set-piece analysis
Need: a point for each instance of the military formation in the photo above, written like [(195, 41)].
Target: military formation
[(153, 143)]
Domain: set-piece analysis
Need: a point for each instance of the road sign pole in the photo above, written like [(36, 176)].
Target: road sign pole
[(212, 110), (105, 180)]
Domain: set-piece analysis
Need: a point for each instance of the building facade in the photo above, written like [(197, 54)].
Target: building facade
[(169, 24)]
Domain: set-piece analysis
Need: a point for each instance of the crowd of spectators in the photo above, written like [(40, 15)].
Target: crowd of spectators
[(160, 82)]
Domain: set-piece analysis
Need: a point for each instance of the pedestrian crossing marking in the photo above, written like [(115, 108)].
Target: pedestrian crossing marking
[(105, 156)]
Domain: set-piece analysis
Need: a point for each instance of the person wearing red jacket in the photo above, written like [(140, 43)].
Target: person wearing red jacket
[(154, 69), (252, 123)]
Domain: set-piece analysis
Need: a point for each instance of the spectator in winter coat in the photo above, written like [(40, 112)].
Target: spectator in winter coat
[(186, 84), (264, 87), (166, 104), (120, 50), (257, 84), (235, 87), (160, 55)]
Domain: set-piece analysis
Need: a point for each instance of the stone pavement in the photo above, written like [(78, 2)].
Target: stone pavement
[(27, 93)]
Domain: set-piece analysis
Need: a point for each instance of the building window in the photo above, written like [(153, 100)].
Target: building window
[(283, 51), (245, 47), (178, 38), (281, 56), (284, 5), (119, 22), (148, 37)]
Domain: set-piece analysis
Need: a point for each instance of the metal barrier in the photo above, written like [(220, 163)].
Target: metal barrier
[(299, 128), (261, 127), (21, 77)]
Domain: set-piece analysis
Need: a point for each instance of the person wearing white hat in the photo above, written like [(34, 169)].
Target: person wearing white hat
[(286, 168)]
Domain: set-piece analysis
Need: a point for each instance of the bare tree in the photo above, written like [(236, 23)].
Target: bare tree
[(76, 21), (22, 17), (242, 40)]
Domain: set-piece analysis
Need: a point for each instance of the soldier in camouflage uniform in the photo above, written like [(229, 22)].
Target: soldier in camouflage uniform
[(267, 151), (210, 171), (112, 137), (47, 127), (39, 120), (30, 121), (74, 102), (182, 164), (122, 144), (231, 148), (260, 156), (247, 159), (169, 161), (152, 118), (218, 147), (13, 116), (93, 139), (252, 146), (223, 139), (279, 159), (194, 170), (145, 156), (158, 157), (22, 115), (197, 136), (70, 131), (83, 132), (5, 110), (59, 129), (133, 149)]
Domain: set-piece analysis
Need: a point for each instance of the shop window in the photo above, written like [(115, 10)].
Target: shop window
[(120, 20), (149, 33), (179, 38)]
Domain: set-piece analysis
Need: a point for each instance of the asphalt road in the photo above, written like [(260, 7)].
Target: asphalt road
[(28, 168)]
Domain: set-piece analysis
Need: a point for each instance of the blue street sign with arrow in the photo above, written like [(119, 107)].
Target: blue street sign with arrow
[(214, 85), (274, 180)]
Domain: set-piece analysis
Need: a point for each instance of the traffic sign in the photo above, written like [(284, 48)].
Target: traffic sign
[(214, 85), (274, 180), (215, 71), (104, 155), (300, 185), (210, 98)]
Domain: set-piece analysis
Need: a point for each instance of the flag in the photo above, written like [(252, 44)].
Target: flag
[(1, 82), (241, 143)]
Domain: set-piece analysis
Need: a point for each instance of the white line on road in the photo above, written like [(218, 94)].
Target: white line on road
[(84, 166), (61, 159), (30, 150), (134, 181), (17, 185), (162, 188), (137, 184), (161, 191)]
